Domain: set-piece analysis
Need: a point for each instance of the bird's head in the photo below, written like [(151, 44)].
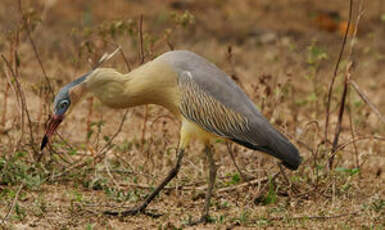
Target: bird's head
[(64, 101)]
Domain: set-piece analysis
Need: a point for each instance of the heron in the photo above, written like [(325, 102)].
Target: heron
[(208, 103)]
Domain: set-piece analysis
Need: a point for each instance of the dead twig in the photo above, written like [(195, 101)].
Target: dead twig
[(260, 191), (314, 217), (101, 153), (13, 203), (366, 100), (352, 131), (356, 155), (23, 106), (5, 103), (233, 74), (340, 115), (110, 175), (360, 138), (202, 187), (245, 184), (89, 116), (330, 90), (347, 78), (26, 25), (140, 34), (230, 151), (345, 90), (125, 60), (141, 61)]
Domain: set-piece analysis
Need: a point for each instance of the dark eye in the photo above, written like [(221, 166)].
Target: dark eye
[(63, 104)]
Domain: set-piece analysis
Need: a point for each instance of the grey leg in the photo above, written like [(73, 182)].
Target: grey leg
[(212, 176), (141, 208)]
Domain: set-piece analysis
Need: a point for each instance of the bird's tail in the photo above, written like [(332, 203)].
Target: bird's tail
[(282, 149), (279, 147)]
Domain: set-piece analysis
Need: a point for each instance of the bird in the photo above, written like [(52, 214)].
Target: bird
[(207, 102)]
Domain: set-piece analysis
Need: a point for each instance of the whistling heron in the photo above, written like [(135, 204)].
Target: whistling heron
[(208, 103)]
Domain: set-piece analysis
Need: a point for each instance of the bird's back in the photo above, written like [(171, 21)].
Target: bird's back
[(216, 103)]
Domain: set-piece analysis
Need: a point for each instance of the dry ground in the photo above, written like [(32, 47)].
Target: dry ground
[(283, 55)]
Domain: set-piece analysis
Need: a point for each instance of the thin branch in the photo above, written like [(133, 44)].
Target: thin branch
[(109, 143), (367, 101), (314, 217), (140, 29), (353, 137), (230, 151), (89, 117), (351, 124), (5, 103), (109, 174), (335, 72), (25, 21), (13, 203), (360, 138), (125, 60), (24, 107), (245, 184), (101, 153), (340, 115), (141, 61)]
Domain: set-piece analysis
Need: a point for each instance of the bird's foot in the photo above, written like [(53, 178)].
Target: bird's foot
[(132, 212), (205, 219)]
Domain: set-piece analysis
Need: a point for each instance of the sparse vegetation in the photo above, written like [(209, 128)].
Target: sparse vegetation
[(104, 159)]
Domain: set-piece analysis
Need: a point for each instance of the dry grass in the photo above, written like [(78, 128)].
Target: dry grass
[(281, 56)]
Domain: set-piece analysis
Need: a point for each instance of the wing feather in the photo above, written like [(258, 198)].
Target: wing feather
[(213, 101), (210, 114)]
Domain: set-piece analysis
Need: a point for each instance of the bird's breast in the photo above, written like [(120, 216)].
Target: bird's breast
[(192, 131)]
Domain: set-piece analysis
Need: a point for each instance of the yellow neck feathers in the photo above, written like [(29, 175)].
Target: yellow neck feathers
[(152, 83)]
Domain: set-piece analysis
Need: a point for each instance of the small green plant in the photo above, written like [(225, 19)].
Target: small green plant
[(350, 172), (315, 55), (378, 205), (235, 179), (184, 19), (120, 196), (20, 212), (271, 197), (244, 216)]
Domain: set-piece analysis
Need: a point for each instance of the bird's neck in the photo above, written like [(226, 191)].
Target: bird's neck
[(151, 83)]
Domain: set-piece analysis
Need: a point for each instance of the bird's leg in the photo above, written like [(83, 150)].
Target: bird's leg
[(141, 208), (212, 176), (205, 218)]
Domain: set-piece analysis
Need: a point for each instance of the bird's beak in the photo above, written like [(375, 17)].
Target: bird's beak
[(52, 125)]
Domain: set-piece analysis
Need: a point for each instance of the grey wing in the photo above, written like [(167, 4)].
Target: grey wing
[(213, 116), (213, 101)]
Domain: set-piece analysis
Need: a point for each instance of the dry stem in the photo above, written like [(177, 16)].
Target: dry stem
[(335, 72), (13, 203), (366, 100), (101, 153), (25, 21)]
